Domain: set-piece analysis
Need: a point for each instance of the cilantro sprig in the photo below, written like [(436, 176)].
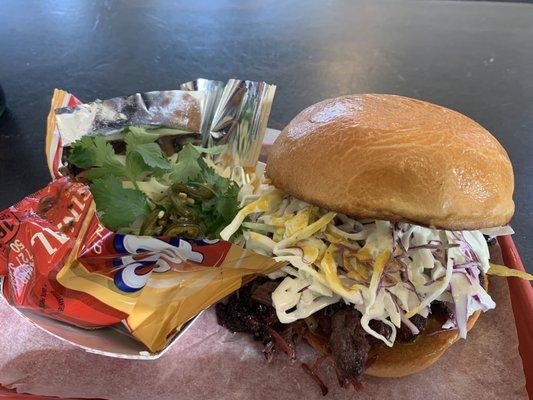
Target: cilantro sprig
[(98, 158), (221, 208), (118, 207), (195, 201)]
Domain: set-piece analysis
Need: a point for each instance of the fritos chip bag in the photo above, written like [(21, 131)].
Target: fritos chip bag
[(58, 259)]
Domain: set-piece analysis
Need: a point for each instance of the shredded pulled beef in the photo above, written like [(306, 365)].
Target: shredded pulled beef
[(404, 334), (250, 310), (441, 311), (244, 314), (336, 333), (348, 343)]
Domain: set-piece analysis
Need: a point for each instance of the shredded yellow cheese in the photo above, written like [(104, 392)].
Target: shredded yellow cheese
[(264, 203), (307, 231), (299, 222), (502, 270), (379, 266), (363, 255), (329, 269)]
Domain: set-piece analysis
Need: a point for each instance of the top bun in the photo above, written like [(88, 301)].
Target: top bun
[(394, 158)]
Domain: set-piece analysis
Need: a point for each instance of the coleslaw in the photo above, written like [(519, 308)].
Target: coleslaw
[(389, 271)]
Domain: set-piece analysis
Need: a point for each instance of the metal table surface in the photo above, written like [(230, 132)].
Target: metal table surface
[(474, 57)]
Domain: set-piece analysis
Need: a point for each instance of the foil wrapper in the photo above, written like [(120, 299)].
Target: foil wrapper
[(178, 110), (214, 90), (204, 111), (240, 121)]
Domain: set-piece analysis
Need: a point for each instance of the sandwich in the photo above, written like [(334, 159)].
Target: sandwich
[(383, 208)]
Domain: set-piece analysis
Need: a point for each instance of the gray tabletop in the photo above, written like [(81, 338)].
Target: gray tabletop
[(475, 57)]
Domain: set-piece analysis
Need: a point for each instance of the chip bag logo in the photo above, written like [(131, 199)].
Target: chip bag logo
[(146, 255)]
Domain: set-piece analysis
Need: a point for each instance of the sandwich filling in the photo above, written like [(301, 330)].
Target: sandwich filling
[(389, 272)]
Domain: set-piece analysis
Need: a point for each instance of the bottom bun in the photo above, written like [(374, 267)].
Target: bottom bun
[(409, 358)]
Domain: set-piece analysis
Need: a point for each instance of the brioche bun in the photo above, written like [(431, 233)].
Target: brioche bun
[(394, 158)]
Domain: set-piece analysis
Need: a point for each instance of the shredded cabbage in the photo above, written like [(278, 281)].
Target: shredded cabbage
[(388, 271)]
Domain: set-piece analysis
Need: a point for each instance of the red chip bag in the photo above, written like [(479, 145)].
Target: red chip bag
[(59, 260)]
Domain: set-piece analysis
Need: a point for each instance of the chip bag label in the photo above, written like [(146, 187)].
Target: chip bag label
[(59, 260)]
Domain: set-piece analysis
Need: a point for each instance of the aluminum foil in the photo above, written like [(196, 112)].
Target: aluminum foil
[(240, 121), (214, 90), (206, 111), (181, 111)]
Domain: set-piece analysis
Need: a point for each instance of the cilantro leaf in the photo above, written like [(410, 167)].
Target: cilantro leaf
[(118, 207), (220, 184), (137, 135), (95, 173), (185, 171), (91, 151), (215, 213), (135, 165), (152, 155), (95, 152), (141, 141), (189, 151), (188, 166), (227, 204)]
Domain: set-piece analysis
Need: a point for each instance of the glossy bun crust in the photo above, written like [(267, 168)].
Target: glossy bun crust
[(394, 158)]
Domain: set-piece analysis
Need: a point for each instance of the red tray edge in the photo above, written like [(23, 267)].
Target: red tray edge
[(521, 293)]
